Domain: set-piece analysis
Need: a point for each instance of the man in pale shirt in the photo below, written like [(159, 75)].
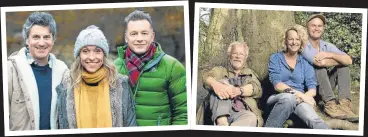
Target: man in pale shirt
[(323, 55)]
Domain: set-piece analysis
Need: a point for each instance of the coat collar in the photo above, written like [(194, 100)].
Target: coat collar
[(31, 60), (243, 72)]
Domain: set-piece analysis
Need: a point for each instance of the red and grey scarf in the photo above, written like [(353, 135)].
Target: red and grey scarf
[(135, 63)]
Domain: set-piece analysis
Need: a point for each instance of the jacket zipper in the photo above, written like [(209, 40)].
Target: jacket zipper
[(136, 86), (159, 119)]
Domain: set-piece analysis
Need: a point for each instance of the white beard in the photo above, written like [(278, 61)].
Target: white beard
[(237, 65)]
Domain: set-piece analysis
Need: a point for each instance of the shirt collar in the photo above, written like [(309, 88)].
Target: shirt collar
[(30, 59), (322, 44), (283, 59)]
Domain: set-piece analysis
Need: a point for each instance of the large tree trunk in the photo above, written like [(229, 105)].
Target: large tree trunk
[(261, 29), (214, 40)]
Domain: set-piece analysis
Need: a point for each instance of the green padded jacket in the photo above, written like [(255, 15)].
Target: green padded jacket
[(160, 94)]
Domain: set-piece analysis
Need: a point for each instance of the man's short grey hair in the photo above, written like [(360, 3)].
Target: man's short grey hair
[(39, 18), (244, 44), (137, 15)]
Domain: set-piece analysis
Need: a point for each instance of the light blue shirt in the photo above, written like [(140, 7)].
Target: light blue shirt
[(30, 59), (302, 77), (309, 52)]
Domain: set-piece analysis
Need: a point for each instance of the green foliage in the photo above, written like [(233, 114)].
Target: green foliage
[(345, 31)]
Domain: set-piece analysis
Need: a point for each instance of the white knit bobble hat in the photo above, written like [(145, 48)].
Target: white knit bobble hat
[(92, 35)]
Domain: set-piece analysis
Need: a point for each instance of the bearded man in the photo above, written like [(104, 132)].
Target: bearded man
[(233, 90)]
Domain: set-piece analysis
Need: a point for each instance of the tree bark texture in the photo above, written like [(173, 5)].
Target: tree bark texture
[(263, 30)]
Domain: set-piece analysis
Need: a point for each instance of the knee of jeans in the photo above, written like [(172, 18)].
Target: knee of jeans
[(314, 119), (311, 116), (288, 98)]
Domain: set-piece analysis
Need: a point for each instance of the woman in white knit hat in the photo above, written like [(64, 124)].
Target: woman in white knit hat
[(92, 94)]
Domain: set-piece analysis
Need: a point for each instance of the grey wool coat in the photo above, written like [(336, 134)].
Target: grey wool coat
[(122, 105)]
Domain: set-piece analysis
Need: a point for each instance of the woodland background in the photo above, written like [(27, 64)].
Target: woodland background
[(263, 31), (168, 24)]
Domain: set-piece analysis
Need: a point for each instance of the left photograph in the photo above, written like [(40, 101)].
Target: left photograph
[(100, 66)]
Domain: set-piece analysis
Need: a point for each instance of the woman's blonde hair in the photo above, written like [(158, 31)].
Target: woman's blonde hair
[(77, 69), (302, 33)]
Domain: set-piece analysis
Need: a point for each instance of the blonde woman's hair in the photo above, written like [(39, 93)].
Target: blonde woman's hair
[(244, 44), (77, 69), (302, 33)]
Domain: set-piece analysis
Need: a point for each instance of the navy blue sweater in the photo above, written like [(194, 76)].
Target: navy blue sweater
[(43, 75)]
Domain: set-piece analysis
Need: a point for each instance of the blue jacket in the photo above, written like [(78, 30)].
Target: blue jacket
[(301, 79)]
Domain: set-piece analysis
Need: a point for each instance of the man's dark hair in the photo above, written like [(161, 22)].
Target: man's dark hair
[(137, 15)]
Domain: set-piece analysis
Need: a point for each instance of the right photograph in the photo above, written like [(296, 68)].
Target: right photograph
[(290, 69)]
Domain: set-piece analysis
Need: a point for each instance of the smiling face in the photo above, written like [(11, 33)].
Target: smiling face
[(139, 35), (92, 58), (40, 42), (238, 57), (315, 28), (293, 41)]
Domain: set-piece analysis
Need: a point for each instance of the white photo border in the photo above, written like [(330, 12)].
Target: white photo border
[(96, 6), (199, 5)]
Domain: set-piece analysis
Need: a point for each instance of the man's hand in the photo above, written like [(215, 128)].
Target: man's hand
[(221, 90), (322, 55), (235, 91), (232, 90)]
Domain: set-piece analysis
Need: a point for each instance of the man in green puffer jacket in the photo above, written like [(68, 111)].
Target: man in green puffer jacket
[(158, 80)]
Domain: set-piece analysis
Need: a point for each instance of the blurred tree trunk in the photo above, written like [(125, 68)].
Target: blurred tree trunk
[(263, 31), (214, 38)]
